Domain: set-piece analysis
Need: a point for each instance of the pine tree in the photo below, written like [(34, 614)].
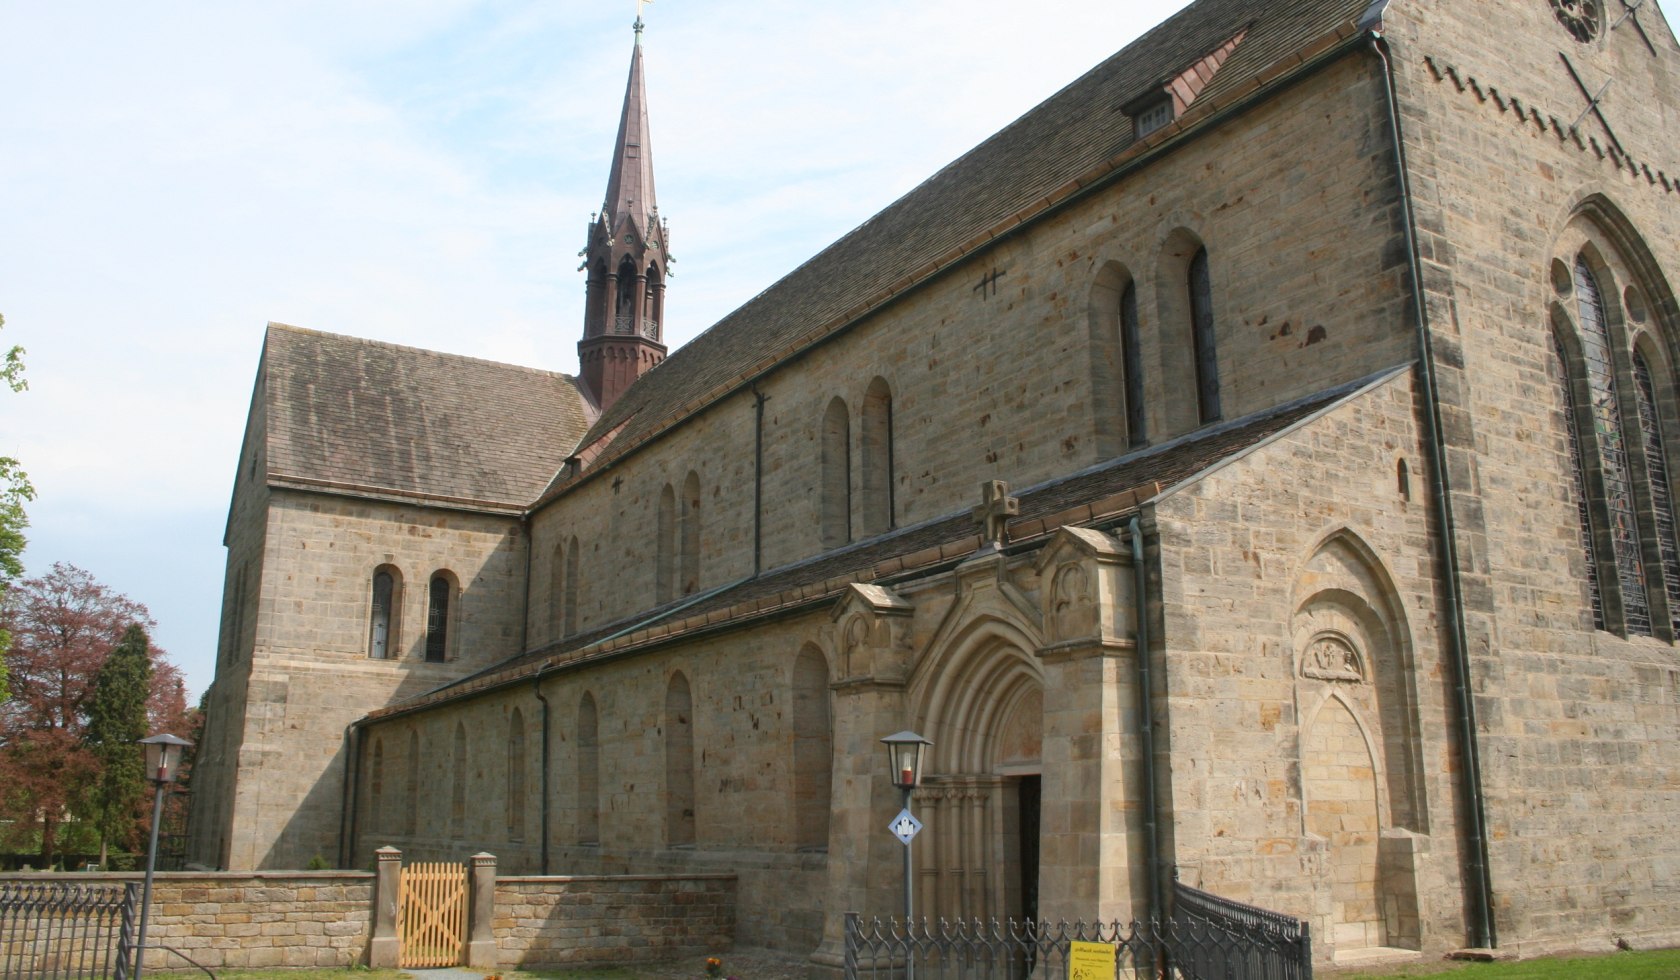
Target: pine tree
[(116, 723)]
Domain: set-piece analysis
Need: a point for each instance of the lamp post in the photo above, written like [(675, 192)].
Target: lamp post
[(163, 761), (904, 762)]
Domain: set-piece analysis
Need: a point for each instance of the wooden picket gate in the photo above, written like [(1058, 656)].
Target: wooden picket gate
[(432, 915)]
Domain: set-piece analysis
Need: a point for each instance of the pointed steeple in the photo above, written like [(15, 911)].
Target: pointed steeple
[(626, 256)]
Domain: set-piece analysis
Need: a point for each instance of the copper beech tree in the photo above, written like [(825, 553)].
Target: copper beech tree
[(64, 625)]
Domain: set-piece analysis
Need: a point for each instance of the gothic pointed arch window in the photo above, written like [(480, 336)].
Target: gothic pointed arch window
[(1605, 408), (440, 616), (384, 613), (834, 505), (876, 451), (1116, 361), (516, 776), (679, 762), (653, 304), (1203, 334), (1613, 326), (624, 305)]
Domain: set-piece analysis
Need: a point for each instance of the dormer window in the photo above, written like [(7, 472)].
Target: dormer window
[(1152, 116)]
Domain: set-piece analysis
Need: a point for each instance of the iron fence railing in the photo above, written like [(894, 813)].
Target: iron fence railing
[(1205, 938), (59, 931)]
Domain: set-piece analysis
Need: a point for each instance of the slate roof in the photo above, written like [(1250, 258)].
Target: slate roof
[(1079, 128), (363, 415), (1101, 494)]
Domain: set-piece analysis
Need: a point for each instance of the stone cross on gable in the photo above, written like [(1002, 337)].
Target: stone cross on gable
[(993, 514)]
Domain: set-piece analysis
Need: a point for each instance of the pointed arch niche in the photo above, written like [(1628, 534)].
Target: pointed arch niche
[(1362, 789), (980, 698)]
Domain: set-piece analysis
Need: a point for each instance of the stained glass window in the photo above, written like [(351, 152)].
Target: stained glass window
[(1662, 502), (1612, 449), (1578, 480)]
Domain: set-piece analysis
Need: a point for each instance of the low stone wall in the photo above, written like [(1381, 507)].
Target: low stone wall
[(251, 919), (553, 921), (326, 918)]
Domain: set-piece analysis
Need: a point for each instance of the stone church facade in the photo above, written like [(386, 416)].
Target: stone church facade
[(1317, 359)]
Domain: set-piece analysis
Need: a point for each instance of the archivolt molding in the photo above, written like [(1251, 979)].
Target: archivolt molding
[(963, 688)]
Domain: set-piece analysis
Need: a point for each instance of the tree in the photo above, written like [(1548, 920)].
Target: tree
[(15, 491), (63, 625), (116, 724)]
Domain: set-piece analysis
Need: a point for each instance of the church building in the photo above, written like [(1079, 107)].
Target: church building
[(1254, 466)]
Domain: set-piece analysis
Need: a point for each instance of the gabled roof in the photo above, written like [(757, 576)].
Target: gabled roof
[(1079, 128), (369, 417), (1101, 495)]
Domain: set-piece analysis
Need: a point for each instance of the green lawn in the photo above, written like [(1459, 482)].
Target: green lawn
[(1663, 964), (1656, 965)]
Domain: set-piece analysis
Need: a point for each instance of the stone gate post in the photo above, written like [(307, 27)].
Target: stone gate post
[(385, 946), (481, 913)]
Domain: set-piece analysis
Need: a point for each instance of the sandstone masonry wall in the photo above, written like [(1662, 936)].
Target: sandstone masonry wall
[(549, 922)]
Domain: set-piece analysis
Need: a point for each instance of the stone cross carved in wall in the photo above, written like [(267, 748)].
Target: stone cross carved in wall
[(993, 514)]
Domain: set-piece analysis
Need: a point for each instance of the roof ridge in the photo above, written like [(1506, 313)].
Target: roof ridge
[(412, 349)]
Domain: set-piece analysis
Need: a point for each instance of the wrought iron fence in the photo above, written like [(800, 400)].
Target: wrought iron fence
[(1205, 938), (53, 930)]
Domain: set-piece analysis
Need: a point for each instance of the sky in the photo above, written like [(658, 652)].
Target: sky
[(174, 176)]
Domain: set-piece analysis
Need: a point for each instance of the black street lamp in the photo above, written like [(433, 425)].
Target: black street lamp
[(163, 763), (904, 762)]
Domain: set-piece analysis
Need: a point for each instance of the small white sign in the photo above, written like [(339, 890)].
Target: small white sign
[(905, 826)]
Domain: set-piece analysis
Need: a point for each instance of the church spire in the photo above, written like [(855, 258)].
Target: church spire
[(626, 257)]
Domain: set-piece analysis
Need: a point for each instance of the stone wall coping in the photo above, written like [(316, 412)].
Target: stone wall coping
[(188, 876), (554, 879)]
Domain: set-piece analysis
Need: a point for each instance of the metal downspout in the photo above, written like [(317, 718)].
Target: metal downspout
[(536, 688), (1146, 720), (1482, 927), (352, 776)]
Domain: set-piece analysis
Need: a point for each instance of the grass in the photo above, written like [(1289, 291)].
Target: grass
[(1662, 964)]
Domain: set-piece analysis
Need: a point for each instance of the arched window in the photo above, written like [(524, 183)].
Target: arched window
[(1662, 496), (835, 490), (813, 751), (556, 592), (876, 447), (665, 547), (589, 773), (1605, 409), (689, 564), (440, 596), (458, 784), (1202, 331), (376, 788), (516, 777), (384, 613), (679, 762), (1131, 353), (569, 612), (653, 309), (624, 306), (411, 801), (1578, 477)]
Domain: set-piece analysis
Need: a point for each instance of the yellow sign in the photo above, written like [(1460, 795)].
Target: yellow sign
[(1090, 961)]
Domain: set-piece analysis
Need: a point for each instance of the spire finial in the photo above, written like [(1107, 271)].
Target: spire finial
[(637, 27)]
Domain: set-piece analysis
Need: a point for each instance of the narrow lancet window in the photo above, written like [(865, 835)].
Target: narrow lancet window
[(1578, 479), (1662, 497), (835, 492), (1202, 332), (1131, 360), (877, 453), (437, 620), (1612, 449), (382, 623)]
